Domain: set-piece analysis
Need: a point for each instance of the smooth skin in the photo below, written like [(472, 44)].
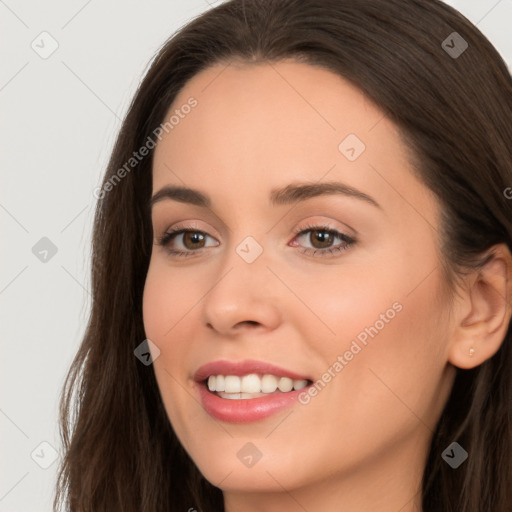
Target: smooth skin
[(361, 443)]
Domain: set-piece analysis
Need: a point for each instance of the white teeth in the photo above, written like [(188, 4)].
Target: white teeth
[(251, 385), (232, 384), (285, 384), (268, 384), (299, 384), (220, 383), (239, 396)]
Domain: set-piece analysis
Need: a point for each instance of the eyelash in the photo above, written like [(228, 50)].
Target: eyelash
[(348, 241)]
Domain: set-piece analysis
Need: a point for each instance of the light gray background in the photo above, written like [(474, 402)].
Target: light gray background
[(60, 116)]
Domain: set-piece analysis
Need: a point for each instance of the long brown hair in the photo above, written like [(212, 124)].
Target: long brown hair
[(455, 115)]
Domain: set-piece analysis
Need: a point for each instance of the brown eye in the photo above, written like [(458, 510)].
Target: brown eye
[(320, 238), (185, 242), (322, 241), (193, 239)]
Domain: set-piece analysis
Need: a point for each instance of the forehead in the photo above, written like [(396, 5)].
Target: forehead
[(288, 108), (259, 126)]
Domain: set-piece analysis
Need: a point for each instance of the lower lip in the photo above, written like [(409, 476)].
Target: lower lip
[(247, 410)]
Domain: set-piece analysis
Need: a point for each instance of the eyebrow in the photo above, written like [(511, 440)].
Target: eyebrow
[(290, 194)]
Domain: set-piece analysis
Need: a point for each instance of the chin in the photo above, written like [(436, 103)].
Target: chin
[(245, 480)]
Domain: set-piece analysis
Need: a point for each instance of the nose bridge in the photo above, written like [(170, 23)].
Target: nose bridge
[(247, 258), (241, 291)]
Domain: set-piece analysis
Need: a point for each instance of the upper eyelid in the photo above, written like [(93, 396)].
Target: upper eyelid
[(296, 231), (315, 224), (188, 226)]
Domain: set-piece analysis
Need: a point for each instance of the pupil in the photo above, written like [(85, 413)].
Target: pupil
[(324, 237), (194, 238)]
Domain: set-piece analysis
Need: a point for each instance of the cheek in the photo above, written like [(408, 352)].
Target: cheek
[(337, 303), (386, 325), (386, 388), (391, 347), (155, 303), (164, 302)]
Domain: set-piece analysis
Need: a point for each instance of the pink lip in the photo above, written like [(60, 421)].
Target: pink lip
[(253, 409), (246, 411)]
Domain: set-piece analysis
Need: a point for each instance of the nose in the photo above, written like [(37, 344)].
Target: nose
[(243, 297)]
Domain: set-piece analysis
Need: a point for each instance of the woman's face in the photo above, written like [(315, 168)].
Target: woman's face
[(339, 286)]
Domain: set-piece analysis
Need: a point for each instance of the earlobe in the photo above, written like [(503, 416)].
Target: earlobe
[(483, 319)]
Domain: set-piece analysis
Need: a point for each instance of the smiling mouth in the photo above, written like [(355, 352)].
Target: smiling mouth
[(246, 387)]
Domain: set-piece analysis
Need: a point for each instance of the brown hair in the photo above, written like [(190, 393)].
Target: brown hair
[(455, 115)]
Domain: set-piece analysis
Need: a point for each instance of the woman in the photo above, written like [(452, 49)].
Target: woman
[(302, 271)]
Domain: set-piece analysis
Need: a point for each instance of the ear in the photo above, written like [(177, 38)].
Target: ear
[(482, 316)]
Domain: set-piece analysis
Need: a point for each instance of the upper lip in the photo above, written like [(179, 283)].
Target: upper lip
[(245, 367)]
